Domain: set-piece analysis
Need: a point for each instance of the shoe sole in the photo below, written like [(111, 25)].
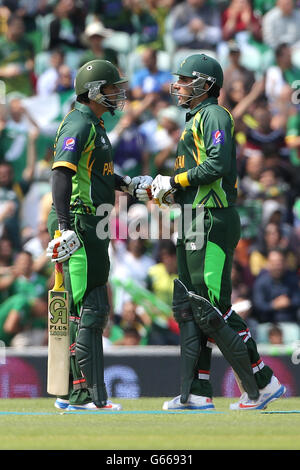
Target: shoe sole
[(81, 408), (61, 406), (190, 407), (281, 391)]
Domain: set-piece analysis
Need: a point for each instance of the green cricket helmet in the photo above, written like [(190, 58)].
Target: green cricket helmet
[(93, 76), (202, 69)]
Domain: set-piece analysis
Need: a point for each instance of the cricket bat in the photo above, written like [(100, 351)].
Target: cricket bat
[(58, 335)]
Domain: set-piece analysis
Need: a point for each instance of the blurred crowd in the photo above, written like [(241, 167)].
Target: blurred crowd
[(42, 44)]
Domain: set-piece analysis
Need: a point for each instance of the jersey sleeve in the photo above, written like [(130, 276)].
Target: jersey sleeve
[(71, 140)]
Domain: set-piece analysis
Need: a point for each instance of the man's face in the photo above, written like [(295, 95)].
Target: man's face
[(286, 6), (183, 90), (276, 265), (23, 264), (149, 58), (6, 175), (16, 29), (170, 262), (115, 94)]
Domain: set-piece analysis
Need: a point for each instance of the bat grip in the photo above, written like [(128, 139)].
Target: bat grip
[(58, 273)]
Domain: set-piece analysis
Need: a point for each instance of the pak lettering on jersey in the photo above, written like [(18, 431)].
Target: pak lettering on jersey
[(179, 162), (108, 168), (69, 144), (218, 137)]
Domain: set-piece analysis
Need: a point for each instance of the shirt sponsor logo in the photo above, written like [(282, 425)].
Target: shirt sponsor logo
[(69, 144), (218, 137)]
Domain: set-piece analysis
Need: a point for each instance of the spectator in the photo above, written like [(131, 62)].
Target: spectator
[(254, 163), (292, 138), (131, 337), (235, 72), (27, 282), (281, 77), (271, 238), (37, 246), (160, 280), (261, 135), (150, 127), (46, 82), (17, 315), (16, 58), (149, 79), (159, 10), (95, 33), (242, 281), (9, 206), (168, 133), (239, 17), (18, 133), (276, 293), (281, 24), (65, 80), (275, 335), (242, 104), (115, 14), (131, 328), (130, 156), (67, 26), (261, 7), (33, 332), (250, 212), (195, 25), (6, 267), (144, 25), (134, 265)]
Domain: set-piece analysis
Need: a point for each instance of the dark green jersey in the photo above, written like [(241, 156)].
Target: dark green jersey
[(205, 166), (82, 144)]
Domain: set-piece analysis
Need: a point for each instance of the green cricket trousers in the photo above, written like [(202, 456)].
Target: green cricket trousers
[(205, 255)]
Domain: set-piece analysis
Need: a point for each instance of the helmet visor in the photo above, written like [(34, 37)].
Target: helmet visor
[(196, 86), (110, 100)]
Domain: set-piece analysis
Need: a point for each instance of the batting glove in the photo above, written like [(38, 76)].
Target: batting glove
[(60, 249), (161, 190), (139, 187)]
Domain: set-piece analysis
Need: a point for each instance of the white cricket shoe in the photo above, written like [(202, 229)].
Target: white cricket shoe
[(268, 394), (92, 407), (195, 402), (61, 404)]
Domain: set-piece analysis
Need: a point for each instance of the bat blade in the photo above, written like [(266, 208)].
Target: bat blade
[(58, 336), (58, 343)]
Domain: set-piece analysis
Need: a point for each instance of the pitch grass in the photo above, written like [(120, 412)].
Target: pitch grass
[(22, 427)]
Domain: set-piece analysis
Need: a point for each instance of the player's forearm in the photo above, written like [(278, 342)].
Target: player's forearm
[(61, 194)]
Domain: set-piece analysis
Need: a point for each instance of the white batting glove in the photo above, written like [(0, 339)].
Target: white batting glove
[(60, 249), (139, 187), (161, 190)]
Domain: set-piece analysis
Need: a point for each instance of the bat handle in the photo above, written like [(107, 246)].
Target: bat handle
[(59, 276)]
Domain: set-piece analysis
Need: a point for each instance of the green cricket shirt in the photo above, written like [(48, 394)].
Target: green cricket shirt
[(205, 165), (82, 145)]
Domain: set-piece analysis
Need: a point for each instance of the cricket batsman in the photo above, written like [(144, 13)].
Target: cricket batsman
[(206, 177), (83, 179)]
